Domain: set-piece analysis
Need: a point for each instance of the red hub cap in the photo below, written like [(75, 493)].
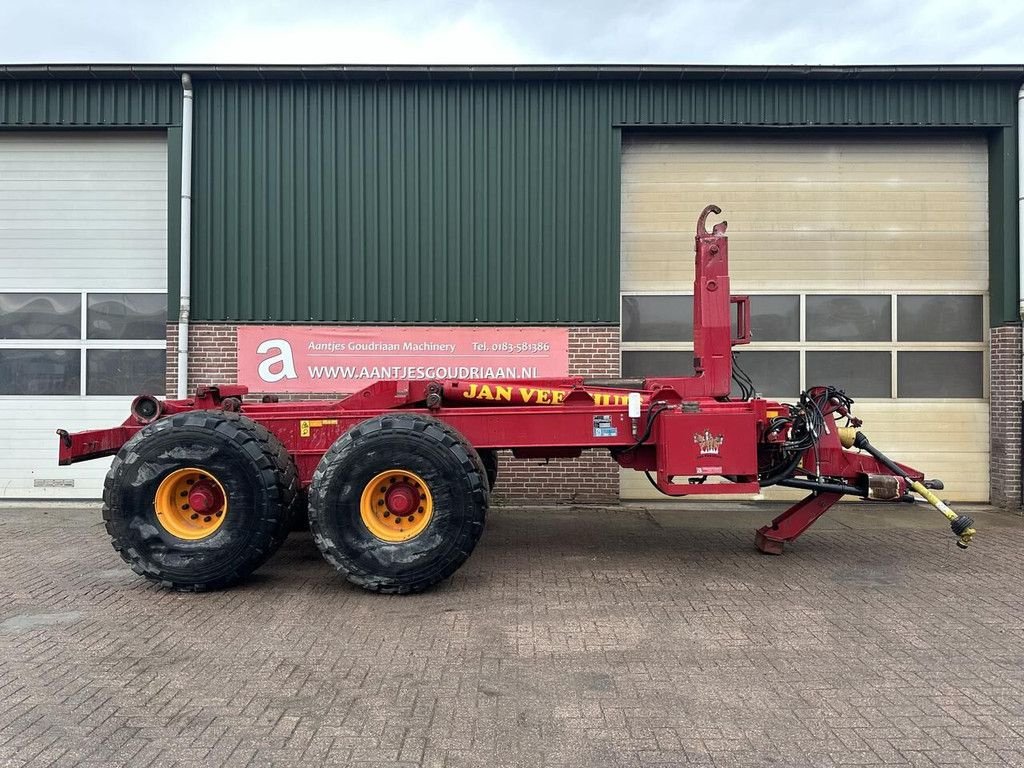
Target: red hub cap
[(205, 497), (401, 499)]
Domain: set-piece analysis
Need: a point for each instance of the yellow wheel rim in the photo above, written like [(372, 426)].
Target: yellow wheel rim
[(396, 505), (190, 503)]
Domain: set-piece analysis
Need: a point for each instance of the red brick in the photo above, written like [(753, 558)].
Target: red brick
[(1005, 417)]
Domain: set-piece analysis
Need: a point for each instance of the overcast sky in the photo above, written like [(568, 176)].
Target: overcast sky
[(527, 31)]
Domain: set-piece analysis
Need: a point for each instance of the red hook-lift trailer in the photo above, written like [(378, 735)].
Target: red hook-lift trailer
[(396, 478)]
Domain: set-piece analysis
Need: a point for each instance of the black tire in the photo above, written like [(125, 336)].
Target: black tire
[(474, 454), (257, 475), (489, 457), (450, 469)]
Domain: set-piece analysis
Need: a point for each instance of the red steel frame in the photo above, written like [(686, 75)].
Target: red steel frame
[(697, 432)]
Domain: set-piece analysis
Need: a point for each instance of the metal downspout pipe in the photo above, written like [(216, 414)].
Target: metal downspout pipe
[(185, 239)]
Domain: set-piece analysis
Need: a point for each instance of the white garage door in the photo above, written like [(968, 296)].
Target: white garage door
[(867, 261), (83, 282)]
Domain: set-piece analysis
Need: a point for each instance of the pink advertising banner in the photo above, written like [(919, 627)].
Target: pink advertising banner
[(289, 358)]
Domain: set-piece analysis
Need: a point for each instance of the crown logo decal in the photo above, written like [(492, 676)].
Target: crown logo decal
[(709, 444)]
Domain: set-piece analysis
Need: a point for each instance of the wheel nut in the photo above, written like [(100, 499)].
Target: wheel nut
[(207, 519), (386, 513), (195, 517)]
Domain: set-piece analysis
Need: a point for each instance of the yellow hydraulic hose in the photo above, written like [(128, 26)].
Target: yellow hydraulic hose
[(962, 525)]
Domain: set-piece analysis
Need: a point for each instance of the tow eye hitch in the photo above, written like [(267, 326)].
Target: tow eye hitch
[(962, 525)]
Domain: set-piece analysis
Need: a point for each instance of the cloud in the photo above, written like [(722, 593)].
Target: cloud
[(515, 31), (415, 37)]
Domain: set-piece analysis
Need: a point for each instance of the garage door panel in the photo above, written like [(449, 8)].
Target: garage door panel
[(812, 264), (22, 210), (862, 179), (790, 212), (109, 230), (866, 219), (29, 469), (781, 167), (825, 214), (791, 209), (859, 277), (82, 213), (75, 273), (694, 148)]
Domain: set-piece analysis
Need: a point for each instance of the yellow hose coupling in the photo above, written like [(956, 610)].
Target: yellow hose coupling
[(962, 525)]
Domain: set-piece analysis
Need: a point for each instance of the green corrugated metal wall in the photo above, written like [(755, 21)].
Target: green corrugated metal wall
[(812, 102), (89, 103), (403, 203), (464, 202), (457, 200)]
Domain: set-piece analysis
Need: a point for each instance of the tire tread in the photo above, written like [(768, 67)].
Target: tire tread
[(398, 426), (278, 473)]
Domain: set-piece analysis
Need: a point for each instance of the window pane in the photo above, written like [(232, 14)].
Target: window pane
[(849, 318), (127, 316), (40, 316), (39, 372), (125, 371), (656, 363), (774, 318), (773, 373), (939, 318), (940, 374), (859, 374), (657, 318)]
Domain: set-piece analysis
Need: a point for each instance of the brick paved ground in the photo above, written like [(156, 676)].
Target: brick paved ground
[(572, 638)]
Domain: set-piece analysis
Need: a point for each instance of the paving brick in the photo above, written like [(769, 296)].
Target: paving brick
[(585, 637)]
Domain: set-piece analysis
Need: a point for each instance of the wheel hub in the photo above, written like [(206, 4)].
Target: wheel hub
[(205, 497), (190, 504), (401, 499), (396, 505)]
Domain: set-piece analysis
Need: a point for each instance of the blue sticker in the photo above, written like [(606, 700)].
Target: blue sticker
[(603, 427)]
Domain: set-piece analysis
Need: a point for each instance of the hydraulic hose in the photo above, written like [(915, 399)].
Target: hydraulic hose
[(784, 472), (962, 525)]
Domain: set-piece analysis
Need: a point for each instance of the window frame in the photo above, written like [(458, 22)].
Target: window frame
[(82, 343), (803, 345)]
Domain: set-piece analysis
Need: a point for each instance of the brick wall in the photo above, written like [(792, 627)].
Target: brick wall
[(593, 351), (212, 355), (1005, 417), (592, 478)]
